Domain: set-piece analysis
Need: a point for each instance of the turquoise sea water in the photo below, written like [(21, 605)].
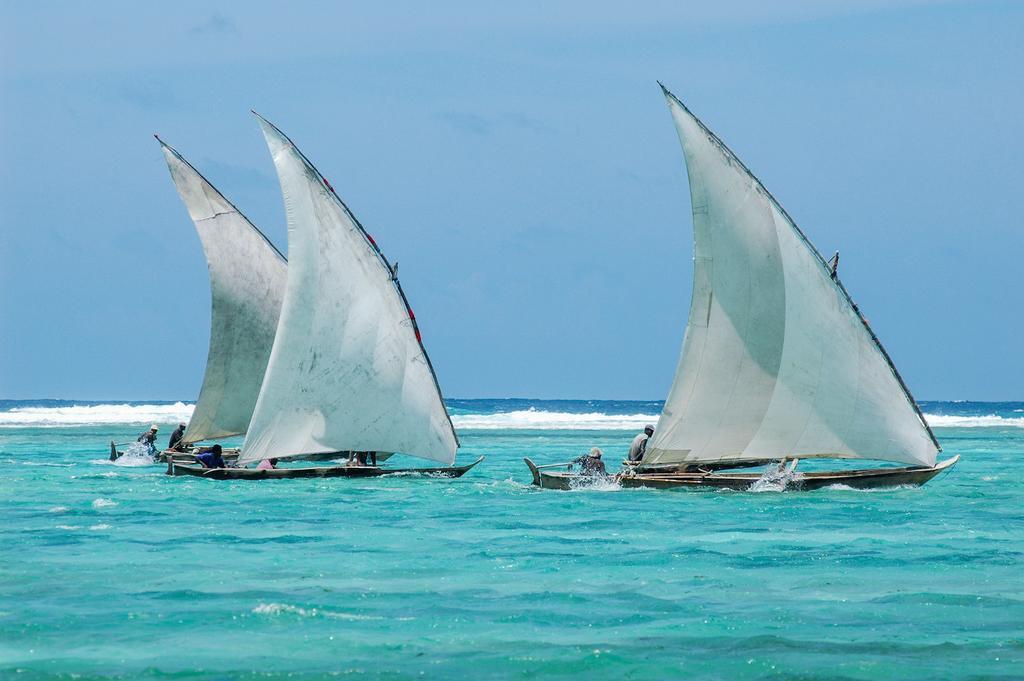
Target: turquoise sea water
[(122, 572)]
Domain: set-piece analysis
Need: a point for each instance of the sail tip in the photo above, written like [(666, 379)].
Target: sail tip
[(267, 125), (262, 118), (670, 96)]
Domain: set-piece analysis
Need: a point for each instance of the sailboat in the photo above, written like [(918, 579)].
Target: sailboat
[(348, 371), (777, 362), (247, 281)]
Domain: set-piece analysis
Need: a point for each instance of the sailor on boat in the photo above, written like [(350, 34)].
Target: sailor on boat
[(174, 444), (639, 446), (212, 458), (363, 459), (591, 464), (148, 438), (267, 465)]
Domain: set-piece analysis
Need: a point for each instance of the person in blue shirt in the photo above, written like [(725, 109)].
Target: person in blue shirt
[(212, 458)]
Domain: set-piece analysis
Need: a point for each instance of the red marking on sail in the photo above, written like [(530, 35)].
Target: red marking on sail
[(327, 183), (370, 237)]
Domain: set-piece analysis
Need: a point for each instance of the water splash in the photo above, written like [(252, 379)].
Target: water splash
[(135, 454), (595, 483), (776, 478)]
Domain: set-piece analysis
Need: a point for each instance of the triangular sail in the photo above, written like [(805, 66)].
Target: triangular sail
[(348, 371), (247, 280), (777, 360)]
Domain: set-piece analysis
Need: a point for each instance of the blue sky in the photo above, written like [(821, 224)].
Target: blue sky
[(519, 162)]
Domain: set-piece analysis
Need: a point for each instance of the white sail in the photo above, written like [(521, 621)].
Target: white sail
[(776, 360), (247, 280), (348, 371)]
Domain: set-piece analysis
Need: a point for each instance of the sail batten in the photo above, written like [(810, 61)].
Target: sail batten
[(777, 360), (247, 276), (348, 371)]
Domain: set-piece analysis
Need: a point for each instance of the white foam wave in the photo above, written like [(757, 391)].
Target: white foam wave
[(524, 419), (840, 487), (279, 608), (103, 503), (988, 421), (534, 419), (97, 414)]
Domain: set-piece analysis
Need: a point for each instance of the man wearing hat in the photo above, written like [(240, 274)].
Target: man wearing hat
[(149, 439), (591, 464), (176, 436), (639, 446)]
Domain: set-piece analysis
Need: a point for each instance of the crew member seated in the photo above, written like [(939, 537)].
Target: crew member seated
[(212, 457), (267, 465), (174, 443), (591, 463), (149, 439), (639, 446)]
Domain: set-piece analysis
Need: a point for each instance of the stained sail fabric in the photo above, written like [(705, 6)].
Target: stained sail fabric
[(776, 360), (247, 281), (348, 371)]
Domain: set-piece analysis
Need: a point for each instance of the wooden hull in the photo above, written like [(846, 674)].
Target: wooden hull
[(674, 468), (188, 455), (856, 479), (177, 468), (232, 454)]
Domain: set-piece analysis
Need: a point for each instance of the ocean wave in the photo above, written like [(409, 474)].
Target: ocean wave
[(987, 421), (520, 419), (840, 487), (97, 414), (273, 609), (534, 419)]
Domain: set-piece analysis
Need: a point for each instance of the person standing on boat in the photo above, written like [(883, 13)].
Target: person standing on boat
[(175, 441), (591, 464), (639, 446), (212, 458), (149, 439), (363, 458)]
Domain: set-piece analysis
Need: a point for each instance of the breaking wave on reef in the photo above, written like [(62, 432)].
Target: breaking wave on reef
[(987, 421), (535, 419), (94, 414), (64, 415)]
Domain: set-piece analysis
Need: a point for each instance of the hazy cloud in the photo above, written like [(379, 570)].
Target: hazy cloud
[(148, 94), (216, 24)]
